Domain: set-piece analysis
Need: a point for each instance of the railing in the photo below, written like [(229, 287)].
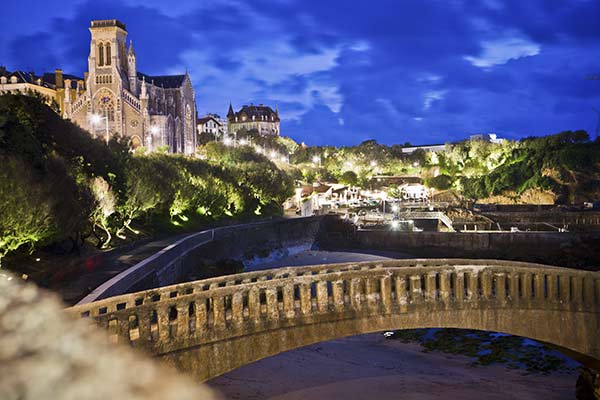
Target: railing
[(428, 215), (176, 317), (79, 103), (131, 100)]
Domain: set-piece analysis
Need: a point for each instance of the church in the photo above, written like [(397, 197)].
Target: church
[(156, 112)]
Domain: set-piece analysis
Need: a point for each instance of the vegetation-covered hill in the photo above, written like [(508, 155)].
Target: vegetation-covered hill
[(57, 183), (560, 168)]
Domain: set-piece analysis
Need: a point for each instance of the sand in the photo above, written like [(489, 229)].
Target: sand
[(373, 367)]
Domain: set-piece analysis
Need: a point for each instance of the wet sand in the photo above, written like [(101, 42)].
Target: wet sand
[(372, 367)]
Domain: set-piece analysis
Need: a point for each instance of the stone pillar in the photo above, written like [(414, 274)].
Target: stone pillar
[(237, 305), (338, 295), (401, 297), (416, 293)]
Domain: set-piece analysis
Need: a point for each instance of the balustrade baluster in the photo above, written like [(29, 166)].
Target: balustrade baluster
[(486, 284), (162, 311), (305, 298), (564, 282), (416, 292), (514, 283), (370, 291), (472, 292), (385, 291), (459, 285), (526, 285), (237, 308), (539, 285), (355, 293), (588, 290), (401, 295), (430, 287), (288, 301), (218, 312), (500, 285), (338, 295), (272, 309), (253, 304), (445, 290), (183, 319)]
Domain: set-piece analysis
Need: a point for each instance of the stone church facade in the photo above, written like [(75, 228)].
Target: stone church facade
[(157, 112)]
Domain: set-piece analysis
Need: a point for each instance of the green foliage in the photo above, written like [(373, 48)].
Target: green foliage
[(441, 182), (57, 182)]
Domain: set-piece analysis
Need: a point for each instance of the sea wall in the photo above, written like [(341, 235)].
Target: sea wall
[(173, 263), (568, 249)]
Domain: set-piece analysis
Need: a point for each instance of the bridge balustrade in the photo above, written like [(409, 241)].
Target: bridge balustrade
[(202, 312)]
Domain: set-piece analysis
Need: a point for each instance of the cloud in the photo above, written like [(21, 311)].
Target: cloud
[(500, 51), (417, 71)]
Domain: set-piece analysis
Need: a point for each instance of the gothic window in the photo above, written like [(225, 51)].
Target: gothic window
[(108, 55), (100, 54), (107, 107)]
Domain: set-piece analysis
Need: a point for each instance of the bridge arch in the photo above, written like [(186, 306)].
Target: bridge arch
[(212, 326)]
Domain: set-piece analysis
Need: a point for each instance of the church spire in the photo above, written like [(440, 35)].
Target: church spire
[(230, 113), (131, 51)]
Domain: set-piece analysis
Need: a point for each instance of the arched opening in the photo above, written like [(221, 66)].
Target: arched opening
[(372, 366), (135, 142), (100, 55), (108, 53)]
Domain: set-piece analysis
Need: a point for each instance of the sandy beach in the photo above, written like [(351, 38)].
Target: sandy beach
[(373, 367)]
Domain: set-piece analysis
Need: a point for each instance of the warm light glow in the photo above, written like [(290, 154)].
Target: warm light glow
[(243, 142), (273, 154), (394, 208), (95, 119), (283, 159), (395, 224), (316, 159), (373, 163), (227, 141), (154, 129), (258, 149)]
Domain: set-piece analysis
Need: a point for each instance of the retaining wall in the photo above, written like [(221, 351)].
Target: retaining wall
[(174, 262)]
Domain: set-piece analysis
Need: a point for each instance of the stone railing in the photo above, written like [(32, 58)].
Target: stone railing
[(211, 326), (78, 104), (131, 100)]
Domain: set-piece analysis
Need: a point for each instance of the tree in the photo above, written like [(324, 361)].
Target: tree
[(25, 214)]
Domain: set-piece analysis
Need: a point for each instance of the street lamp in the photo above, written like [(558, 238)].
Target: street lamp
[(96, 119), (316, 160)]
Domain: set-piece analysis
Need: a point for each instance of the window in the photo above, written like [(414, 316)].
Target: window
[(13, 79), (100, 54), (108, 56)]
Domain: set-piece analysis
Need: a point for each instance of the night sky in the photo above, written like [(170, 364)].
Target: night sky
[(345, 71)]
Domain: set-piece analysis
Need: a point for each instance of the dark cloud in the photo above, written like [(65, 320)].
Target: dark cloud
[(343, 72)]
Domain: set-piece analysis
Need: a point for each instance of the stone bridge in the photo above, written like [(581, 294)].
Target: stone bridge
[(212, 326)]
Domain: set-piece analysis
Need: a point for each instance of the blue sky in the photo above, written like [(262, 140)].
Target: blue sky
[(346, 71)]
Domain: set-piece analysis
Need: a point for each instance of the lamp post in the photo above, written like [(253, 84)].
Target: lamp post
[(95, 119), (317, 159), (154, 130)]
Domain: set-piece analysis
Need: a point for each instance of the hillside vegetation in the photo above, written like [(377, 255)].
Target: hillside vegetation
[(58, 184), (563, 168)]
